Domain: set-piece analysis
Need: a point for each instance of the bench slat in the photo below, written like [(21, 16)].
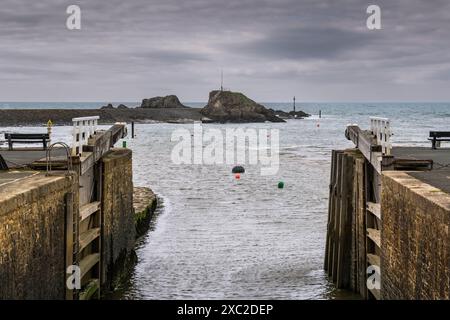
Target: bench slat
[(439, 134), (21, 136), (28, 141)]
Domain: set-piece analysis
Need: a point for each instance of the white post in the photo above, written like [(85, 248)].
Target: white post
[(381, 129), (83, 128)]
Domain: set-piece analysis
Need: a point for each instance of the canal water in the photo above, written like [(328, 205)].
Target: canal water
[(216, 237)]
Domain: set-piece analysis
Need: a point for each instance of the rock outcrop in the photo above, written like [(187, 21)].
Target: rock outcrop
[(109, 106), (122, 106), (227, 106), (291, 115), (171, 101), (144, 203)]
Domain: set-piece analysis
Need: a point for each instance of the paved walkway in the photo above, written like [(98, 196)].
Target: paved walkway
[(20, 158), (7, 177), (439, 177)]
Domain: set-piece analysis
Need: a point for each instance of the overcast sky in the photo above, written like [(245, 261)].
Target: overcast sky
[(271, 50)]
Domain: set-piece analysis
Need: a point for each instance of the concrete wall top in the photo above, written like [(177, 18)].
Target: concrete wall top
[(28, 189), (422, 189)]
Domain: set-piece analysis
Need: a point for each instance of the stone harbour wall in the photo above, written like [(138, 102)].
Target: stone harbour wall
[(119, 230), (415, 262), (32, 233)]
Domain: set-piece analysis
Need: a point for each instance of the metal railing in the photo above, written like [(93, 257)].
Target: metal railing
[(49, 157), (381, 129), (83, 128)]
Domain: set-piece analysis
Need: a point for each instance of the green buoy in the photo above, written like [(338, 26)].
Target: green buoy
[(280, 185)]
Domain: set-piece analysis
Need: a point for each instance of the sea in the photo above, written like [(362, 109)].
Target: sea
[(216, 237)]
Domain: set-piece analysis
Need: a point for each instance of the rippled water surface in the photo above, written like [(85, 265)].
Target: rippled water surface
[(220, 238)]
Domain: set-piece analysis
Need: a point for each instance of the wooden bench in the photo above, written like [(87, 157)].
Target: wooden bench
[(27, 138), (438, 136)]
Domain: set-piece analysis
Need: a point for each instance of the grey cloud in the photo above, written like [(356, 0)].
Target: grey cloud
[(170, 56), (308, 43), (314, 49)]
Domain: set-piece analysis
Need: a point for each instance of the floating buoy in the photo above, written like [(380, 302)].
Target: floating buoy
[(238, 169), (237, 176), (280, 185)]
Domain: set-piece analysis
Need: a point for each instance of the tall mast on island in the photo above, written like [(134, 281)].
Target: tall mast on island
[(221, 80), (294, 103)]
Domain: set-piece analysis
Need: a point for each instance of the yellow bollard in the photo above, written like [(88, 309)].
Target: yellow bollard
[(49, 129)]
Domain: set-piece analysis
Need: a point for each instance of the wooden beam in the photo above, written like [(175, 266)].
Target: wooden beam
[(373, 260), (376, 293), (374, 208), (337, 212), (375, 236), (88, 236), (88, 209), (366, 143), (361, 228), (86, 162), (345, 220), (329, 240), (88, 262), (103, 141)]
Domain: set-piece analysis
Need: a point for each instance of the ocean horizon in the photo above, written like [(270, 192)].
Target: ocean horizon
[(384, 109)]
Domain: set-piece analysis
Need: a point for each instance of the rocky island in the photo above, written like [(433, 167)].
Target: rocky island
[(171, 101), (291, 114), (227, 106), (223, 106)]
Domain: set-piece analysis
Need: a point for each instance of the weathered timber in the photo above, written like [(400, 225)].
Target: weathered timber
[(375, 236), (360, 228), (374, 208), (376, 293), (88, 262), (329, 237), (343, 274), (340, 261), (373, 260), (88, 236), (103, 141), (88, 209), (366, 143), (345, 254), (336, 218)]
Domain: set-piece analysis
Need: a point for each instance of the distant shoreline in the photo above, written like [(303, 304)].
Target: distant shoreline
[(61, 117)]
